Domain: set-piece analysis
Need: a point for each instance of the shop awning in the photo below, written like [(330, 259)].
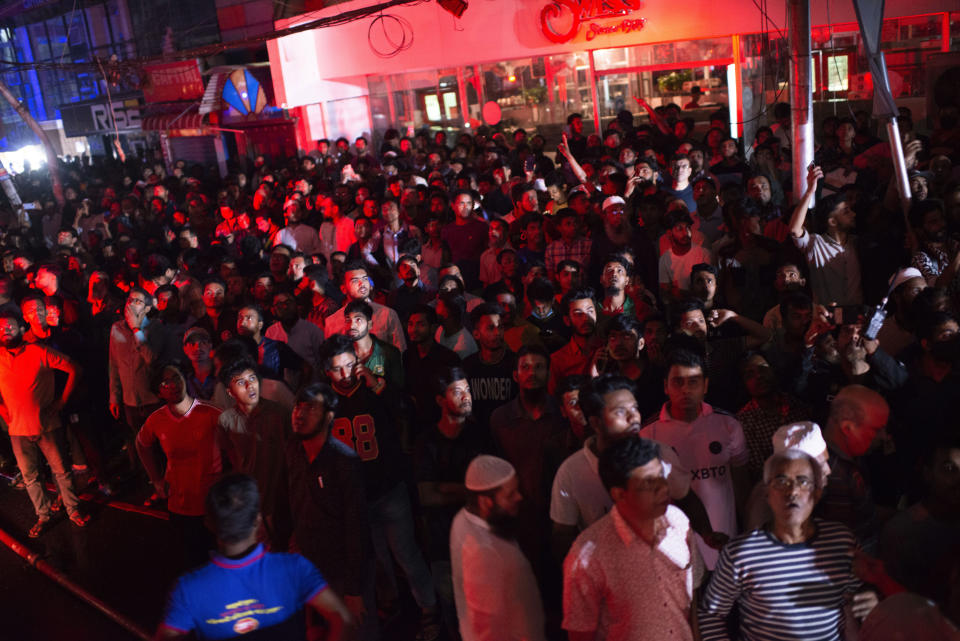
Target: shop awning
[(187, 117)]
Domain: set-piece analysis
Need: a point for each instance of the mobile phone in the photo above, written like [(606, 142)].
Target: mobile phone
[(29, 206), (530, 163)]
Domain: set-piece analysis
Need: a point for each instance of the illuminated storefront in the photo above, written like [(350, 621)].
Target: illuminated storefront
[(531, 63)]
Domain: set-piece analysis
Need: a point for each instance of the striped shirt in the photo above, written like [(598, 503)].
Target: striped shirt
[(786, 592)]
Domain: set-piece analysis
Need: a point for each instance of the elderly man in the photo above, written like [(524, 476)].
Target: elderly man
[(494, 587), (792, 578), (610, 573)]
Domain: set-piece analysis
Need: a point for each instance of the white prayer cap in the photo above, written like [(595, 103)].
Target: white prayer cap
[(903, 276), (804, 436), (488, 472), (613, 200)]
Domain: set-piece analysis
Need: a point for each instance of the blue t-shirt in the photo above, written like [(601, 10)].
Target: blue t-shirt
[(260, 596)]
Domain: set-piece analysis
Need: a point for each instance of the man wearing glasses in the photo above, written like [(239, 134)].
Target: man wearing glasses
[(792, 578)]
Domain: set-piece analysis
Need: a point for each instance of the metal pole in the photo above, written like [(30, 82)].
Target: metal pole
[(899, 167), (10, 189), (34, 559), (801, 90)]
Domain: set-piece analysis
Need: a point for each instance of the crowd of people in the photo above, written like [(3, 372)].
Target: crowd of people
[(640, 388)]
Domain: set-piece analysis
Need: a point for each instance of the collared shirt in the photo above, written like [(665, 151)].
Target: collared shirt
[(462, 342), (300, 237), (578, 496), (337, 236), (385, 324), (494, 587), (27, 387), (560, 250), (834, 268), (130, 359), (709, 447), (624, 588)]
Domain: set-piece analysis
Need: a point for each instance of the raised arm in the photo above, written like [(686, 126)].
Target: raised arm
[(800, 212), (578, 171), (655, 118)]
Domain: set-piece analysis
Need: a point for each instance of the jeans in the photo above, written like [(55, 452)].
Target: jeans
[(391, 522), (28, 449)]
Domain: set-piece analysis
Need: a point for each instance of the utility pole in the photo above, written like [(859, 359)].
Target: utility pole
[(52, 163), (801, 90)]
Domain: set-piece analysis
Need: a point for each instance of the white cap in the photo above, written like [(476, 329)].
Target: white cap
[(903, 276), (613, 200), (804, 436), (488, 472)]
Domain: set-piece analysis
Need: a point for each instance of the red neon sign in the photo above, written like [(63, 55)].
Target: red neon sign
[(560, 20)]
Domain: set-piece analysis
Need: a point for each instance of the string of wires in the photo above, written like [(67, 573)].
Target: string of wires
[(395, 48)]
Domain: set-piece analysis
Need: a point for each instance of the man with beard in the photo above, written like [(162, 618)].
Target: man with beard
[(412, 291), (614, 278), (255, 432), (624, 354), (789, 279), (466, 236), (490, 370), (377, 358), (936, 257), (365, 421), (494, 586), (519, 430), (443, 453), (297, 235), (580, 314), (895, 334), (831, 255), (186, 431), (615, 235), (275, 359), (676, 264), (32, 414), (612, 568), (760, 571), (356, 285), (329, 507)]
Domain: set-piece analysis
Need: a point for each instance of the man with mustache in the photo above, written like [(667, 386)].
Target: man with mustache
[(494, 586), (761, 570), (632, 574), (356, 285)]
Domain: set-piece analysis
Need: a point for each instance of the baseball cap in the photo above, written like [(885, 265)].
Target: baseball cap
[(613, 200), (195, 334)]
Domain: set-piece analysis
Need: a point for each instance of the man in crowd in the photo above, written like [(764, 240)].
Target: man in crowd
[(644, 541), (496, 591), (490, 370), (759, 570), (357, 285), (283, 586)]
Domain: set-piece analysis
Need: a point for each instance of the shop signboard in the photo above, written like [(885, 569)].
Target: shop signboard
[(96, 117), (173, 81), (562, 20)]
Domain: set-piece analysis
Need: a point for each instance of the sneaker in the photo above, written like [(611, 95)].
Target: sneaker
[(429, 625), (38, 528), (80, 520)]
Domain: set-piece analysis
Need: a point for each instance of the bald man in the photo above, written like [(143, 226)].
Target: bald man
[(857, 415)]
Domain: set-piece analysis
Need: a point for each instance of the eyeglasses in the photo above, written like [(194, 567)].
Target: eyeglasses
[(651, 484), (783, 484)]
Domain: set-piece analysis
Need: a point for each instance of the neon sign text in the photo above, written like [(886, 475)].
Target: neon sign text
[(560, 20)]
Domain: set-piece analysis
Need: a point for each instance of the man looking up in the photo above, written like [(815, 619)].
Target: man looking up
[(385, 323), (643, 541), (677, 263), (276, 359), (220, 323), (376, 358), (680, 172), (423, 362), (794, 549), (831, 255)]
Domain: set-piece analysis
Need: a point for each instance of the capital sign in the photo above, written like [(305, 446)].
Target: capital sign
[(561, 20)]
